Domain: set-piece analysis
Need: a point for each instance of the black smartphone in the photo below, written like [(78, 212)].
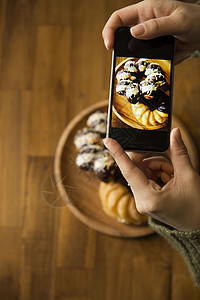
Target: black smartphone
[(140, 100)]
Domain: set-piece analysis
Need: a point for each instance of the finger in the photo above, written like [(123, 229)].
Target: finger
[(123, 17), (109, 30), (155, 27), (162, 175), (178, 153), (159, 163), (165, 177), (132, 173), (137, 156), (158, 167)]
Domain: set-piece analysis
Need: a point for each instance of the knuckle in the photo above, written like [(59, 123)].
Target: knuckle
[(152, 25), (115, 14), (182, 151), (184, 19)]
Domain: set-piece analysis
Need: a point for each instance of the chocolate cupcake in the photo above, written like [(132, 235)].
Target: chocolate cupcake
[(142, 64), (153, 68), (95, 148), (158, 79), (85, 160), (133, 93), (123, 75), (101, 128), (86, 156), (122, 86), (98, 122), (105, 166), (148, 89), (87, 136), (130, 66), (96, 118)]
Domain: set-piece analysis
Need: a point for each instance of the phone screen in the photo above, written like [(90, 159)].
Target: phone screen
[(141, 93), (140, 112)]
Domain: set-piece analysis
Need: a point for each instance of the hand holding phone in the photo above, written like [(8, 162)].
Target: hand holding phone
[(140, 98), (177, 202)]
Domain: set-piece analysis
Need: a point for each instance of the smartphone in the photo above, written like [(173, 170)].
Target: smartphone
[(140, 99)]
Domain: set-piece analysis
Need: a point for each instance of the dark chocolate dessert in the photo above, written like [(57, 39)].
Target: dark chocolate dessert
[(153, 68), (142, 64), (86, 156), (85, 160), (122, 86), (87, 136), (105, 166), (133, 93), (157, 79), (130, 66), (148, 89), (97, 122), (123, 75), (92, 155)]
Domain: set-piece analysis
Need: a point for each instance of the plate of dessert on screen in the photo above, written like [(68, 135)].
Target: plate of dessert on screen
[(141, 92)]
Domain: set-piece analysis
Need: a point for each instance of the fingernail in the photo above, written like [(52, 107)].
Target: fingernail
[(106, 142), (178, 136), (106, 44), (138, 30)]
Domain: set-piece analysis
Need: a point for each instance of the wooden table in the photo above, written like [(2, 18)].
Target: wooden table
[(52, 65)]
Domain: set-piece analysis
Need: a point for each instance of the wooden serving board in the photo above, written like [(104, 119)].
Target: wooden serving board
[(79, 189), (123, 108)]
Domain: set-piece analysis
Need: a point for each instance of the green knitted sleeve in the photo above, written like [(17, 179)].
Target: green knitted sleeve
[(187, 243)]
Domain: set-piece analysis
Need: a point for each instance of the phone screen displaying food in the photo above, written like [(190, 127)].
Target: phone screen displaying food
[(141, 97)]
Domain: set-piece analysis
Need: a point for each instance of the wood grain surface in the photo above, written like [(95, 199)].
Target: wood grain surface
[(53, 64)]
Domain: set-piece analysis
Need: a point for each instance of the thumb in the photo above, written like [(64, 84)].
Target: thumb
[(156, 27), (178, 153), (130, 170)]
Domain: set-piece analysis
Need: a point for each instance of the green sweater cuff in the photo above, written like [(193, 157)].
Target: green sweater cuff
[(187, 243)]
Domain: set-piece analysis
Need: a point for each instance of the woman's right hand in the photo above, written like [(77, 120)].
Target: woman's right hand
[(177, 203)]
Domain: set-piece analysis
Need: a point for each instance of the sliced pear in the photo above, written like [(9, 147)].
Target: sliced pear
[(152, 120), (158, 117), (162, 114), (140, 111), (145, 117)]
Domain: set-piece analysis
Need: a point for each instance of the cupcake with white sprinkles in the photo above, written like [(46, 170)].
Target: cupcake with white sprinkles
[(86, 136), (98, 122)]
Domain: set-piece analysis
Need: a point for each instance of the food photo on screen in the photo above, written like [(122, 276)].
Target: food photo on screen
[(141, 93)]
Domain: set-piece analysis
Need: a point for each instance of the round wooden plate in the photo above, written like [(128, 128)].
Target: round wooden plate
[(79, 189), (123, 108)]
